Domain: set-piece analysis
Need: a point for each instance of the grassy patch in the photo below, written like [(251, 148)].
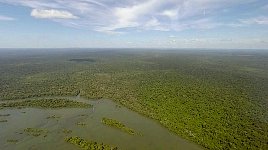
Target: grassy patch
[(66, 131), (88, 145), (36, 132)]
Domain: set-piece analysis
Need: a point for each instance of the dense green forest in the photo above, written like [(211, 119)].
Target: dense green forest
[(217, 99), (46, 103)]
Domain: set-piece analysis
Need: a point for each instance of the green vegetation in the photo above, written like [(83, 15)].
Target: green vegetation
[(81, 124), (118, 106), (4, 115), (66, 131), (53, 117), (215, 99), (47, 103), (36, 132), (88, 145), (3, 121), (117, 124), (12, 141)]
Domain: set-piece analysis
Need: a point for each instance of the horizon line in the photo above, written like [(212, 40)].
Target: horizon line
[(138, 48)]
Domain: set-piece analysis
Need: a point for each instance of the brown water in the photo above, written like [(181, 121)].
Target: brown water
[(154, 136)]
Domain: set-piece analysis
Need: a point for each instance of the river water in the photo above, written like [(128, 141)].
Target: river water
[(154, 136)]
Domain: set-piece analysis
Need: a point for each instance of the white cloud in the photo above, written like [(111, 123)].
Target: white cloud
[(152, 23), (52, 14), (261, 20), (172, 14), (117, 16), (134, 15), (6, 18)]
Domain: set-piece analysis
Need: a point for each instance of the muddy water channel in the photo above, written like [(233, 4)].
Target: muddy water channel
[(85, 123)]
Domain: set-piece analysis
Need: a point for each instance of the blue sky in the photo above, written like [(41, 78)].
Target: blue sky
[(134, 23)]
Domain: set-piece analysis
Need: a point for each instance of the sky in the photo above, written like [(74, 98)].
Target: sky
[(221, 24)]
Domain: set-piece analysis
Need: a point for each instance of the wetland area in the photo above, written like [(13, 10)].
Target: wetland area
[(46, 128)]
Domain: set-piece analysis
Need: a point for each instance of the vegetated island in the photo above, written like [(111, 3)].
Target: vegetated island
[(88, 145), (4, 115), (14, 141), (53, 117), (3, 120), (36, 132), (47, 103), (117, 124)]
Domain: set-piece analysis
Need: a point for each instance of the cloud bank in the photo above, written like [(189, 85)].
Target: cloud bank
[(116, 16)]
